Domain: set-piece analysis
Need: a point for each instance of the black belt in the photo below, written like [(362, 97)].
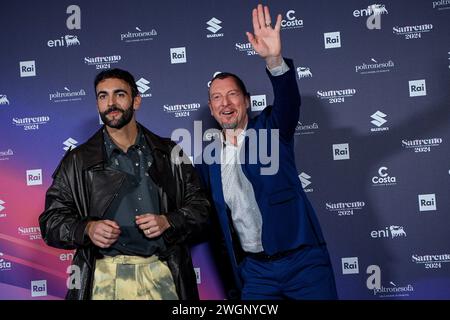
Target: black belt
[(262, 256)]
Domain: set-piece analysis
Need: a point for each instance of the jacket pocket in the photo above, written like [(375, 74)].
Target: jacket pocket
[(282, 196)]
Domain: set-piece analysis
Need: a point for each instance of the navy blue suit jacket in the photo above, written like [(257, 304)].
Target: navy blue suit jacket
[(288, 217)]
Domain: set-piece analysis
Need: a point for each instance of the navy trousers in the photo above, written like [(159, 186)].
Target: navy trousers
[(304, 274)]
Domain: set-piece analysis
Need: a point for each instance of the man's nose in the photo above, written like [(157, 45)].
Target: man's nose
[(225, 100), (111, 100)]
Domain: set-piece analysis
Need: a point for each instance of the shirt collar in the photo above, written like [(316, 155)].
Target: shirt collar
[(111, 147), (240, 138)]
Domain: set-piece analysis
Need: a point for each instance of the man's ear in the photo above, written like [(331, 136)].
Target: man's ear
[(137, 102), (247, 101)]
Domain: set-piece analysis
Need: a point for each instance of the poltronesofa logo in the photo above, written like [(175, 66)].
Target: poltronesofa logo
[(5, 154), (303, 128), (441, 4), (138, 35), (67, 95), (373, 283), (374, 66)]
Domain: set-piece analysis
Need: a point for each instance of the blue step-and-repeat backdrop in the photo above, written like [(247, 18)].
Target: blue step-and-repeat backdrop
[(372, 142)]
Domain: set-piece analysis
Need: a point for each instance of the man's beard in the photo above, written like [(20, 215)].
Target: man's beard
[(119, 123), (232, 125)]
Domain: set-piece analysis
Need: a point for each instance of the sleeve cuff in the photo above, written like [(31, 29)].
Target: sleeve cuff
[(279, 70)]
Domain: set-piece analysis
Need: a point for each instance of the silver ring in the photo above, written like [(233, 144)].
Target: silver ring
[(147, 231), (268, 24)]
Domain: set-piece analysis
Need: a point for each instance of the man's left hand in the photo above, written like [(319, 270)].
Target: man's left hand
[(266, 39), (153, 225)]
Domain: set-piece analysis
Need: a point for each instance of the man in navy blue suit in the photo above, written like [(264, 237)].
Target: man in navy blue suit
[(272, 235)]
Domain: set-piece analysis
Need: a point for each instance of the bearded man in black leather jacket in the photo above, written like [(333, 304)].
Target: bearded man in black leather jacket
[(128, 203)]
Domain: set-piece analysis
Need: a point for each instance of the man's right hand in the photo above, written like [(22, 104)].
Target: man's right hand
[(103, 233)]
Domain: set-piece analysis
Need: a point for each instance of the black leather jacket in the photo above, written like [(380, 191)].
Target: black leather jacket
[(83, 188)]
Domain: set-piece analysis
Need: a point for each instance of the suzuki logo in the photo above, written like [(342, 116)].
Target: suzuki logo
[(214, 25), (378, 118), (142, 85), (304, 178), (70, 144)]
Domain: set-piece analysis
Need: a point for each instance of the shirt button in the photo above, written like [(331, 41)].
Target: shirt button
[(137, 164), (139, 198)]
